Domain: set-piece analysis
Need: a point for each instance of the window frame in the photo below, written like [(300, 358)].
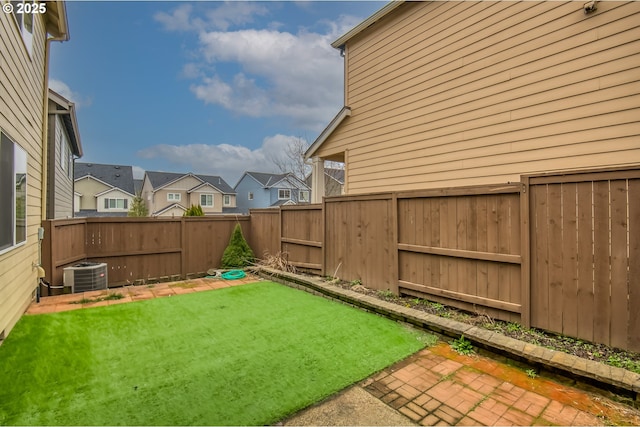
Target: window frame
[(108, 200), (250, 195), (177, 197), (304, 199), (25, 34), (285, 197), (18, 166), (207, 195), (226, 200)]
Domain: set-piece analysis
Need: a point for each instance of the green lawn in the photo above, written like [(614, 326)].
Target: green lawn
[(250, 354)]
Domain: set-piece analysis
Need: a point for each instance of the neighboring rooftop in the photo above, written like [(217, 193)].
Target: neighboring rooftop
[(118, 176), (269, 180), (161, 179)]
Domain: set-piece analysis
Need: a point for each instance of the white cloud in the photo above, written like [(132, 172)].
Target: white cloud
[(298, 75), (228, 161), (227, 14), (292, 75), (138, 172), (63, 89)]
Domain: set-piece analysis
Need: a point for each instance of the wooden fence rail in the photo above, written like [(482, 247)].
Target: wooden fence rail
[(558, 252)]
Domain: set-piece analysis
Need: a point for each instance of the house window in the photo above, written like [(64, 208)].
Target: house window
[(284, 194), (250, 195), (13, 187), (23, 12), (116, 204), (226, 200), (304, 196), (173, 197), (206, 200)]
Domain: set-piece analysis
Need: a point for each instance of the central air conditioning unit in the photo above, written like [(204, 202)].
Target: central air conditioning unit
[(86, 276)]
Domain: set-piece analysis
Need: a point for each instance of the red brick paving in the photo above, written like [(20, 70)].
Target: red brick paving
[(132, 293), (439, 387)]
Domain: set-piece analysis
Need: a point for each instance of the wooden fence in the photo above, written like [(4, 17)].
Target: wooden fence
[(138, 249), (558, 252)]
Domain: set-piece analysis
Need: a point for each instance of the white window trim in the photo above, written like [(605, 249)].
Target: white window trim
[(125, 203), (226, 200), (176, 197), (25, 34), (250, 195), (285, 197), (304, 199), (212, 200), (19, 156)]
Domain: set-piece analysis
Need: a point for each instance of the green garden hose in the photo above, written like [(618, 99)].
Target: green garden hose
[(233, 275)]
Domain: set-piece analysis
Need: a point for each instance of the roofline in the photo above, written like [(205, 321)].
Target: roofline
[(343, 114), (93, 177), (57, 23), (175, 180), (210, 185), (385, 10), (166, 208), (71, 108), (112, 189)]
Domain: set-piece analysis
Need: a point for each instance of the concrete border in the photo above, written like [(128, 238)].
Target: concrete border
[(603, 376)]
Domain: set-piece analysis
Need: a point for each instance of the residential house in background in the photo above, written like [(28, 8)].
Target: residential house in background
[(171, 194), (24, 52), (333, 181), (263, 190), (103, 190), (447, 94), (63, 147)]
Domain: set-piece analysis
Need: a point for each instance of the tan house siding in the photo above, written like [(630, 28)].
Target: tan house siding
[(22, 98), (459, 93), (60, 188), (89, 187)]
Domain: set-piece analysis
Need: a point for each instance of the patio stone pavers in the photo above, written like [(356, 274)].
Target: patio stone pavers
[(437, 386), (133, 293)]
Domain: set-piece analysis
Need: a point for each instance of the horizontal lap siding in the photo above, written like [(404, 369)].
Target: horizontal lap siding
[(460, 93), (21, 118)]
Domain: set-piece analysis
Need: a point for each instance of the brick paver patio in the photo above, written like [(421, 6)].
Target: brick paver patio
[(440, 387)]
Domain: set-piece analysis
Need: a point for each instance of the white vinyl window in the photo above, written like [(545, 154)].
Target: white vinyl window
[(116, 204), (284, 194), (226, 200), (250, 195), (173, 197), (206, 200), (13, 187), (23, 11), (304, 196)]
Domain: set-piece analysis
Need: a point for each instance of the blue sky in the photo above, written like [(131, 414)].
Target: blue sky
[(207, 87)]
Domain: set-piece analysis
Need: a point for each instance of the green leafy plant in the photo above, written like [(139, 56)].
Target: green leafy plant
[(386, 294), (513, 327), (194, 210), (462, 346), (531, 373), (238, 254), (138, 208), (355, 282)]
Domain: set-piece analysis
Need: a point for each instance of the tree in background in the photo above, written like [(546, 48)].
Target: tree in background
[(138, 208), (238, 254), (292, 161), (194, 210)]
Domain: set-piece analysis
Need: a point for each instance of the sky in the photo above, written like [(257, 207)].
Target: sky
[(215, 88)]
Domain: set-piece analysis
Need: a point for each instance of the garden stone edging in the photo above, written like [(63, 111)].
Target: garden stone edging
[(589, 370)]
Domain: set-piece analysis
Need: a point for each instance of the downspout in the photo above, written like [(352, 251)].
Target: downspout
[(45, 149)]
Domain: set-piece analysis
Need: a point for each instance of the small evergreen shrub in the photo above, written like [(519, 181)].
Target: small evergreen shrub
[(194, 211), (238, 254)]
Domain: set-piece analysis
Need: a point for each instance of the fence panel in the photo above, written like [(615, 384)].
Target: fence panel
[(264, 232), (360, 240), (63, 245), (584, 231), (206, 238), (302, 236), (462, 248)]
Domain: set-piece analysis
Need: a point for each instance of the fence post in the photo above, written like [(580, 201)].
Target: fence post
[(394, 242), (323, 260), (525, 254), (47, 253), (183, 246)]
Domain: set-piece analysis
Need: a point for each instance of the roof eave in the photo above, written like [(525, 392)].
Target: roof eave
[(57, 24), (343, 114), (386, 9)]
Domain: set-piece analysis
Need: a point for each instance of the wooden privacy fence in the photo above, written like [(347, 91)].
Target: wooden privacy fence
[(558, 252), (138, 248)]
